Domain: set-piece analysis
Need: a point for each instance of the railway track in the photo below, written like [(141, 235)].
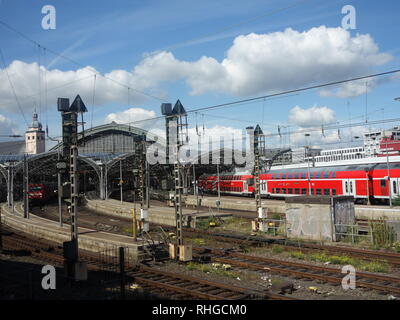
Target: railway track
[(384, 283), (248, 240), (168, 284)]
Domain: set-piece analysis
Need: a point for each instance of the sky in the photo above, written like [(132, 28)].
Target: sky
[(126, 57)]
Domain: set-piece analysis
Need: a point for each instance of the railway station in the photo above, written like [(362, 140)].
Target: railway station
[(163, 155)]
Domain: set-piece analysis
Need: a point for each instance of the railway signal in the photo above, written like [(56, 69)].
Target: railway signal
[(69, 113)]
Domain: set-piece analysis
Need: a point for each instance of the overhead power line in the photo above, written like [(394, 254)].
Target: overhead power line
[(12, 87), (269, 96), (76, 62)]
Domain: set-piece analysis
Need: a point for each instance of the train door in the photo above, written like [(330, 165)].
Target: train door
[(349, 187), (394, 184)]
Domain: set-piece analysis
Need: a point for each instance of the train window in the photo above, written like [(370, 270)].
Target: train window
[(351, 187), (347, 187), (383, 183), (318, 175), (326, 192), (304, 191), (394, 187), (319, 192), (283, 176), (278, 190), (333, 175), (303, 175), (273, 190), (297, 191), (284, 190), (290, 191), (334, 192), (326, 174)]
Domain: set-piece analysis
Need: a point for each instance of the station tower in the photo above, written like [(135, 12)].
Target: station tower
[(35, 139)]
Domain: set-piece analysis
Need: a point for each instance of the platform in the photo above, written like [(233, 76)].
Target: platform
[(371, 212), (89, 239), (157, 214)]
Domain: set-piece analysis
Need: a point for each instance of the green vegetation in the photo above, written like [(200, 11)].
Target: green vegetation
[(237, 224), (382, 234), (206, 223), (276, 249), (206, 268), (198, 242), (371, 266), (297, 254)]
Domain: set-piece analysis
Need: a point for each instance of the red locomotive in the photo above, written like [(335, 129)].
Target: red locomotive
[(41, 192), (361, 181)]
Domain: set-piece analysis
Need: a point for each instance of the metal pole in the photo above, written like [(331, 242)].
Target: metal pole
[(122, 271), (367, 183), (120, 179), (106, 178), (25, 190), (1, 234), (59, 190), (12, 187), (308, 171), (196, 190), (219, 193), (74, 195), (388, 171), (147, 184)]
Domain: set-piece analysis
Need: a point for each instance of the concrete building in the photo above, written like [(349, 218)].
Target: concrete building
[(340, 154), (35, 138)]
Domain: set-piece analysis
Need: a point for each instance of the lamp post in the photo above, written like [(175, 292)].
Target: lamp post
[(308, 163), (388, 172)]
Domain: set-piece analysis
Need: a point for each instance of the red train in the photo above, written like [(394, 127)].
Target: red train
[(41, 192), (360, 181)]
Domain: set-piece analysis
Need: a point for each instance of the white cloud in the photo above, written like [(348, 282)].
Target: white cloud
[(132, 115), (254, 64), (313, 116), (24, 78), (257, 63), (7, 127)]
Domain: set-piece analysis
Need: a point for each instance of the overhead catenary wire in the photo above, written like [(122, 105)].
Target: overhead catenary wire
[(12, 88), (8, 26), (282, 93)]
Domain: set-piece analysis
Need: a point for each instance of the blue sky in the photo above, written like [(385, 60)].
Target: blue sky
[(118, 35)]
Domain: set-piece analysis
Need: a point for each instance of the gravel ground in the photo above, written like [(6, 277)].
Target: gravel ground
[(253, 280)]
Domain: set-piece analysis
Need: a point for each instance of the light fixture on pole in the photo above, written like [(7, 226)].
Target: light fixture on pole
[(308, 163)]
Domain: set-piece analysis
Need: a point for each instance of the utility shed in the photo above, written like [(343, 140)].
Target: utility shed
[(319, 217)]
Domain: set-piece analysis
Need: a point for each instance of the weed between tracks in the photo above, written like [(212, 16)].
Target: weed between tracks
[(206, 268), (371, 266), (360, 264)]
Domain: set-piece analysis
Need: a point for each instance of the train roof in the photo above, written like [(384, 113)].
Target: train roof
[(357, 167)]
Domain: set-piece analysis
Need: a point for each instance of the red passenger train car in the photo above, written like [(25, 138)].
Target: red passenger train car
[(41, 192), (362, 181)]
